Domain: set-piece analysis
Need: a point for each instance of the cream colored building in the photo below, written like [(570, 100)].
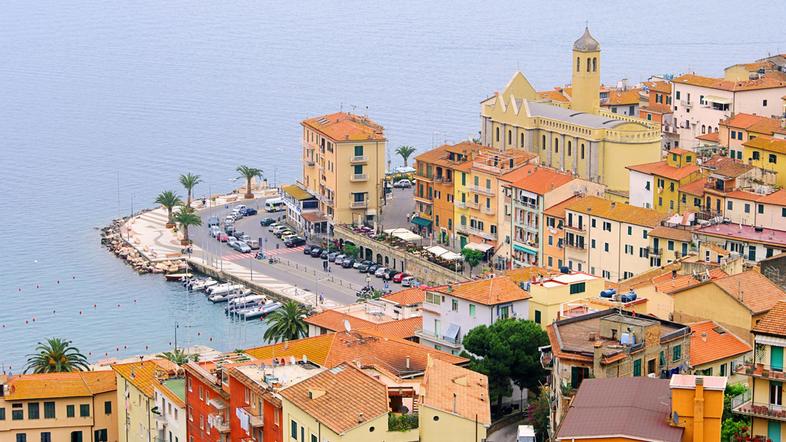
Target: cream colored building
[(608, 239), (137, 420), (577, 136), (344, 166), (551, 294), (54, 407)]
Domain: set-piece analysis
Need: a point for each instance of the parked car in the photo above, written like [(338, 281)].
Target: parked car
[(307, 249), (347, 263), (372, 268), (363, 268), (214, 231), (294, 241), (242, 247), (398, 277), (408, 281), (316, 251), (222, 237), (324, 254), (213, 221), (287, 235), (380, 272), (239, 207), (229, 229), (253, 243), (403, 184), (339, 259), (332, 256), (243, 237), (273, 226), (264, 222), (390, 274), (249, 211)]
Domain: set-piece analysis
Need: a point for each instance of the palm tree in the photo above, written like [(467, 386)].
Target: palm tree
[(287, 323), (405, 152), (55, 356), (178, 356), (168, 199), (249, 173), (189, 181), (187, 217)]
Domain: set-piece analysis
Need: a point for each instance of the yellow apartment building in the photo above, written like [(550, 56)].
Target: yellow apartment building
[(549, 295), (657, 185), (669, 244), (742, 127), (344, 166), (769, 154), (595, 144), (136, 383), (55, 407), (608, 239)]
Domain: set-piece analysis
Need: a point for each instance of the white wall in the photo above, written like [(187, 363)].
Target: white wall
[(174, 424), (640, 194)]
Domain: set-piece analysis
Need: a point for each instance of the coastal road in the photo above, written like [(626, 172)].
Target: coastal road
[(295, 268)]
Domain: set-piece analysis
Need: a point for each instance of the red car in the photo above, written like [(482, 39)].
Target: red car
[(222, 237), (399, 276)]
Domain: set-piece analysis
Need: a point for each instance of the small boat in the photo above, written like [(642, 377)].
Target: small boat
[(260, 310), (217, 290), (177, 276), (210, 289), (239, 303), (201, 284), (224, 297), (208, 283)]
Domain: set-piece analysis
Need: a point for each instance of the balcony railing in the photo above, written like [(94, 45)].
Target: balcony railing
[(477, 232), (686, 104), (443, 179), (357, 177), (744, 405), (655, 251), (580, 228), (482, 190), (574, 245), (434, 337), (424, 199), (358, 204), (472, 205), (219, 423), (254, 420), (309, 162), (762, 371), (326, 200), (487, 210), (358, 159)]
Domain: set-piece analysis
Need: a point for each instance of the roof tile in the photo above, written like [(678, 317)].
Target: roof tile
[(710, 343)]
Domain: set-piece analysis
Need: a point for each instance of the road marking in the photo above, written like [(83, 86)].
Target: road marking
[(274, 252)]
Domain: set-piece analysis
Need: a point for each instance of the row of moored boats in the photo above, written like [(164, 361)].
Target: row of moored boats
[(240, 301)]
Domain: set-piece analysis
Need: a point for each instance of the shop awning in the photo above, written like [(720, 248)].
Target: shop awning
[(297, 192), (451, 256), (719, 100), (524, 249), (422, 222), (437, 250), (452, 332), (479, 247), (403, 234)]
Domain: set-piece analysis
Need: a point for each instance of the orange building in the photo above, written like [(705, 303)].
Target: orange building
[(554, 234), (658, 107)]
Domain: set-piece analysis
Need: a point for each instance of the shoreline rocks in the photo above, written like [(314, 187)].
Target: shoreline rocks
[(112, 240)]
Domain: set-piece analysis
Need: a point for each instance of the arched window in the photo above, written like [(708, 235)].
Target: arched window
[(544, 142), (588, 64), (570, 147), (594, 64), (704, 129), (522, 140), (556, 145), (578, 64), (510, 136), (716, 129), (497, 134)]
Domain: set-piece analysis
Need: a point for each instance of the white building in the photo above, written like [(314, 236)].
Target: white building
[(641, 185), (170, 409)]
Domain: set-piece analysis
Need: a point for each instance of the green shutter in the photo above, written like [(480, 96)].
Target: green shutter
[(776, 358)]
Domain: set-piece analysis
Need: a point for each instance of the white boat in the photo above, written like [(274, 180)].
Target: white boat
[(200, 284), (210, 290), (225, 288), (239, 303), (260, 309), (224, 297)]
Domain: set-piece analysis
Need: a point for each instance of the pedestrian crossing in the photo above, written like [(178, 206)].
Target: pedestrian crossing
[(237, 256)]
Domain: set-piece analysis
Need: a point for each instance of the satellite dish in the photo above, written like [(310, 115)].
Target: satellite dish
[(675, 418), (347, 327)]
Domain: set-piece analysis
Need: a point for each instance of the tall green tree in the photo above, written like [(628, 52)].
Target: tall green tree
[(351, 250), (168, 200), (56, 355), (507, 351), (287, 323), (189, 181), (472, 257), (249, 173), (186, 218), (405, 152)]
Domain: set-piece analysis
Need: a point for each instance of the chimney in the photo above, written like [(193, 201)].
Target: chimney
[(407, 363), (597, 356), (314, 394), (698, 410), (361, 418), (674, 274), (454, 403)]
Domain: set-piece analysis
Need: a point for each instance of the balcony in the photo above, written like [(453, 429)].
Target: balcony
[(423, 178), (575, 245), (686, 104), (472, 205), (477, 232), (326, 200), (579, 228), (487, 210), (309, 162), (760, 371), (655, 252), (482, 190), (219, 423), (358, 204), (358, 159), (358, 177), (254, 420), (744, 405), (429, 335), (443, 180), (423, 199)]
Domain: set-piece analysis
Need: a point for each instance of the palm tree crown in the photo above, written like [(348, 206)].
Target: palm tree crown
[(187, 217), (189, 181), (249, 173), (287, 323), (55, 356), (168, 199), (178, 356), (405, 152)]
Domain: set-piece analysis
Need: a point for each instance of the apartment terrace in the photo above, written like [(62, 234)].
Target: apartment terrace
[(743, 404)]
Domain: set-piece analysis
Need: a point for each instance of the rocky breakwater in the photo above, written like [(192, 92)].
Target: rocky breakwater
[(112, 239)]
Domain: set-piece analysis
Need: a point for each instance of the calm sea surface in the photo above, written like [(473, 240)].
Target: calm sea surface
[(105, 103)]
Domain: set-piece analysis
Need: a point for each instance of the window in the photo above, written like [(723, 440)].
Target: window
[(49, 410), (670, 245), (76, 436), (454, 305), (47, 437), (592, 243), (764, 103), (314, 438), (472, 310), (662, 359), (17, 413), (760, 208), (630, 230), (723, 370), (358, 169), (729, 205), (637, 367), (593, 222), (773, 159), (676, 353), (510, 136), (783, 212), (582, 151), (631, 110), (537, 316), (579, 287), (21, 437), (497, 137), (755, 155), (677, 95), (33, 410), (84, 410), (605, 247), (644, 234), (2, 413), (747, 208), (776, 393), (70, 411), (108, 407), (102, 436), (358, 151)]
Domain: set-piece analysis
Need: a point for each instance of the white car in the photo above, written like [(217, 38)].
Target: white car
[(380, 272), (214, 231), (273, 227), (240, 207), (339, 259), (403, 184)]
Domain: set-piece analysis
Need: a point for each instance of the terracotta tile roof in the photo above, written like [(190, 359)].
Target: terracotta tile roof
[(623, 98), (143, 375), (489, 291), (361, 346), (710, 343), (694, 188), (400, 328), (752, 289), (439, 155), (638, 409), (543, 180), (343, 126), (726, 167), (744, 195), (445, 385), (767, 82), (411, 296), (768, 144), (523, 274), (662, 168), (60, 385), (712, 137), (625, 213), (767, 126), (777, 198), (666, 284), (558, 210), (659, 86), (340, 396), (671, 233), (333, 320), (521, 172), (754, 123), (554, 95), (774, 322), (657, 108)]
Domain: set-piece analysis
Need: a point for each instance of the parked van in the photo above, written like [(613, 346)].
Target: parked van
[(526, 434), (274, 204), (253, 243), (408, 281)]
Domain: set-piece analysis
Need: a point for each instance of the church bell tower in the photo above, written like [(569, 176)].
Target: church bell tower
[(585, 96)]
